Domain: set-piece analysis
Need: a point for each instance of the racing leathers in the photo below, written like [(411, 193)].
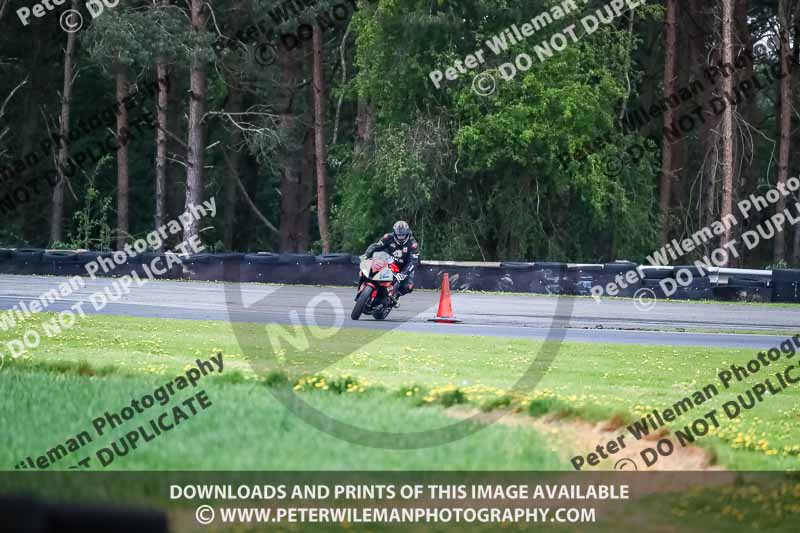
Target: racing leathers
[(406, 257)]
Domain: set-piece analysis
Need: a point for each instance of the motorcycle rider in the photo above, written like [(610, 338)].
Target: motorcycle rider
[(401, 245)]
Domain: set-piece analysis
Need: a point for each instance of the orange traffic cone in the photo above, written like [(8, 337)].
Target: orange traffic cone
[(445, 312)]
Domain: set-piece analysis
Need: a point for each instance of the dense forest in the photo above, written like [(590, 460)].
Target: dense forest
[(317, 123)]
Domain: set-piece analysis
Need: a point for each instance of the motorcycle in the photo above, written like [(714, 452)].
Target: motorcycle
[(376, 277)]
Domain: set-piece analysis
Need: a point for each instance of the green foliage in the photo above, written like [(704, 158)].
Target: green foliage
[(551, 406), (133, 37), (276, 378), (482, 177), (501, 402), (343, 384), (516, 175), (408, 165), (92, 228), (452, 397), (416, 393), (234, 377)]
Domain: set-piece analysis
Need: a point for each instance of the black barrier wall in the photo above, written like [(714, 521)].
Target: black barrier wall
[(342, 270)]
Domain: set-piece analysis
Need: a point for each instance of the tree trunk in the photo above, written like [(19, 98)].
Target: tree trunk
[(162, 103), (785, 124), (195, 145), (57, 211), (796, 247), (232, 158), (667, 148), (122, 91), (726, 207), (796, 83), (698, 24), (748, 110), (296, 192), (318, 86), (681, 181), (30, 129), (305, 195), (364, 125), (176, 149)]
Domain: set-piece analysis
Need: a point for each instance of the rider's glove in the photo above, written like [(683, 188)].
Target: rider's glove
[(401, 276), (363, 257)]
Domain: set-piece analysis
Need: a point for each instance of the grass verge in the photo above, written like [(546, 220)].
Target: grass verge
[(588, 381)]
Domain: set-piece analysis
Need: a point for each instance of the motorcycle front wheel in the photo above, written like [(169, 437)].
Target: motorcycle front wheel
[(363, 298)]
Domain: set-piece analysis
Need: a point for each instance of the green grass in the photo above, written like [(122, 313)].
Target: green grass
[(727, 331), (591, 381), (245, 428)]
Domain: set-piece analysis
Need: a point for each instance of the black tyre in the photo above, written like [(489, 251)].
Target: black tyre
[(296, 259), (262, 258), (59, 256), (383, 314), (658, 273), (516, 265), (332, 259), (363, 298)]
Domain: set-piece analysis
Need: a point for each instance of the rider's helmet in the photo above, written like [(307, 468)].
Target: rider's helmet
[(401, 231)]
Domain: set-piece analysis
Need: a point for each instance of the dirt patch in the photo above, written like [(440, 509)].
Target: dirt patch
[(581, 437)]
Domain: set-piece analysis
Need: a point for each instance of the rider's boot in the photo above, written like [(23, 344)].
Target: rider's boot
[(394, 296)]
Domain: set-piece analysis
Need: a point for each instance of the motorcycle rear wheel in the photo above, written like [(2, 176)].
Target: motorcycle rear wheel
[(363, 298)]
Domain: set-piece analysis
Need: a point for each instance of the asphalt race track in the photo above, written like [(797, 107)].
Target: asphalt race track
[(484, 314)]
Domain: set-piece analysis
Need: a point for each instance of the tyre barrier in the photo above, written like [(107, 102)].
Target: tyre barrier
[(62, 262), (785, 285), (28, 261), (6, 258), (581, 278), (547, 266), (657, 272), (156, 265), (29, 255), (296, 259), (624, 275), (516, 265), (59, 256), (336, 259), (747, 291), (342, 270), (261, 258), (619, 266)]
